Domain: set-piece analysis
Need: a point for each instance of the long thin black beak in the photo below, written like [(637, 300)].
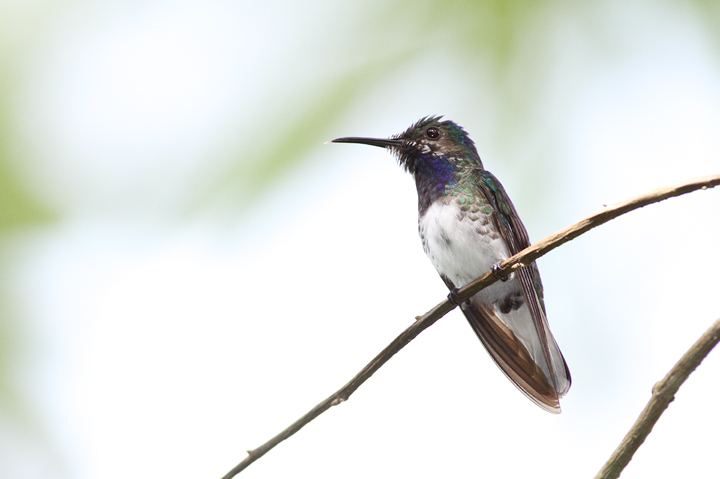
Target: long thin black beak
[(382, 142)]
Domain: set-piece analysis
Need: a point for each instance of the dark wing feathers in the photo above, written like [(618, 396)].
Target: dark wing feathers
[(504, 347), (510, 355)]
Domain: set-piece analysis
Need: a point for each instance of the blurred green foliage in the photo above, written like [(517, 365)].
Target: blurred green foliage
[(493, 36), (19, 208)]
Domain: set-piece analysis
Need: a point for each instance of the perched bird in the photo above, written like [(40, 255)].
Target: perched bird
[(468, 225)]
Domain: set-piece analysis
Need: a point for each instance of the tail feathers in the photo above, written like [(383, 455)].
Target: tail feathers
[(513, 358)]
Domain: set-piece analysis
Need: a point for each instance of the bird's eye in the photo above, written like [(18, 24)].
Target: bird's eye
[(433, 133)]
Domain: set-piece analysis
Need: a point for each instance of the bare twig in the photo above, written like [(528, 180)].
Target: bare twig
[(662, 395), (523, 258)]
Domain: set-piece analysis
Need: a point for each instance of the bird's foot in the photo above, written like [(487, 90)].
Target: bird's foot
[(453, 297), (497, 273)]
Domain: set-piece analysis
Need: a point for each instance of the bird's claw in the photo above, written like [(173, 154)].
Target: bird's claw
[(453, 297), (497, 273)]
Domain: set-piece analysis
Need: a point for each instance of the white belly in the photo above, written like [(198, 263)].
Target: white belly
[(463, 246)]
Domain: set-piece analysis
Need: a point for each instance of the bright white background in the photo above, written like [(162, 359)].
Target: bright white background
[(163, 338)]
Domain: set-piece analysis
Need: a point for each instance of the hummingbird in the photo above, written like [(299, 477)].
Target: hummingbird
[(467, 226)]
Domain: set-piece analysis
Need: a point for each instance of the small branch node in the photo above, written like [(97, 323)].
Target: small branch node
[(337, 401), (657, 387)]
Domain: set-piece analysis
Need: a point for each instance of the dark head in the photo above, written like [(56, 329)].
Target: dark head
[(437, 153), (428, 144)]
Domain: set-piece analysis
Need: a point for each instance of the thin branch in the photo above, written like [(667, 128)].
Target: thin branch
[(523, 258), (533, 252), (662, 395)]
